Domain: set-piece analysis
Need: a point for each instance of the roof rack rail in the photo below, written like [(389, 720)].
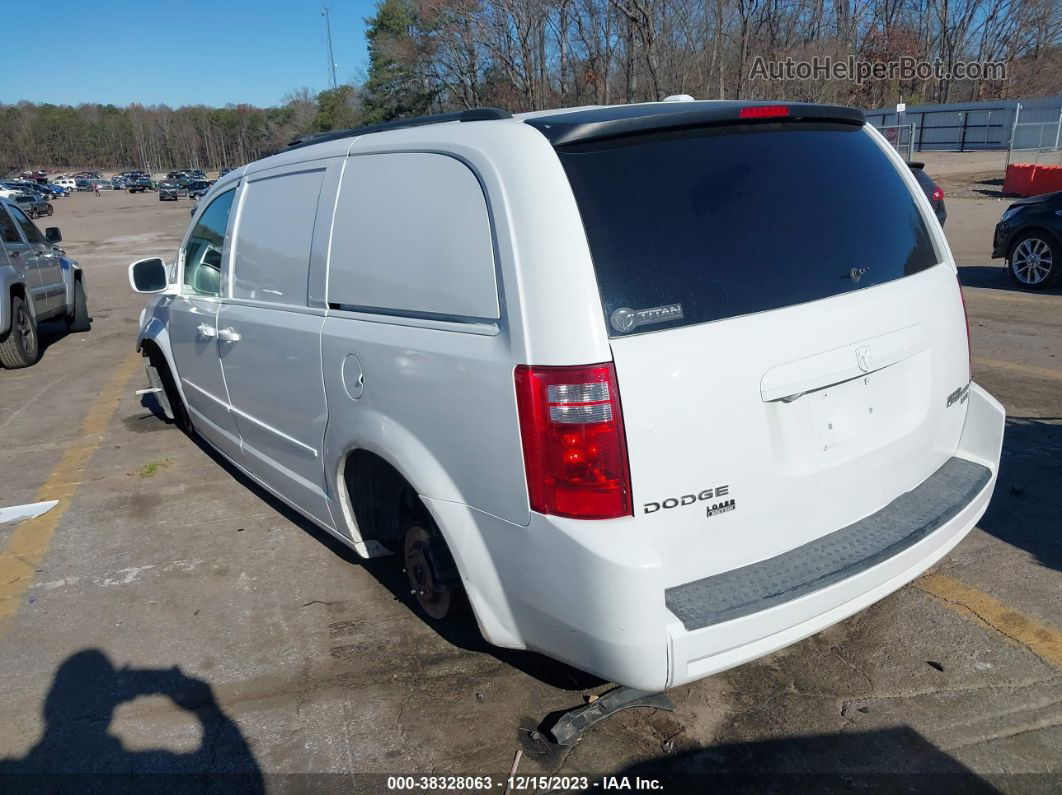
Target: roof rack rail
[(473, 114)]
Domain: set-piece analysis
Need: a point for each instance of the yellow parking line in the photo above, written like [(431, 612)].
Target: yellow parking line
[(1042, 640), (1019, 369), (30, 540)]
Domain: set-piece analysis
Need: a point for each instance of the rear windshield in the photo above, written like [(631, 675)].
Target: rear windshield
[(928, 185), (697, 226)]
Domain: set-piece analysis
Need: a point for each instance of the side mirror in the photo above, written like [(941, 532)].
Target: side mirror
[(53, 235), (148, 275)]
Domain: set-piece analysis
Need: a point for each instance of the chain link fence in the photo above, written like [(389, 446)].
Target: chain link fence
[(902, 137), (1028, 131), (1036, 137)]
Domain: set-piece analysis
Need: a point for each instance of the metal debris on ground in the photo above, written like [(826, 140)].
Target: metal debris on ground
[(18, 513)]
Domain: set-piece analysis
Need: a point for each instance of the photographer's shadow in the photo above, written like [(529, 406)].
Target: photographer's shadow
[(77, 743)]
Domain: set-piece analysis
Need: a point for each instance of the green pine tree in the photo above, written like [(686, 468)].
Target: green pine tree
[(336, 109), (395, 87)]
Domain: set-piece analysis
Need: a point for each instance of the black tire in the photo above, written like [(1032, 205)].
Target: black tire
[(20, 347), (181, 417), (1035, 260), (80, 320), (430, 568)]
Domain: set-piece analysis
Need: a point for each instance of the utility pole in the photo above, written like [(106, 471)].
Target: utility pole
[(331, 55)]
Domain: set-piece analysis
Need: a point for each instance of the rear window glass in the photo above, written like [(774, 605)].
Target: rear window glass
[(924, 180), (691, 227)]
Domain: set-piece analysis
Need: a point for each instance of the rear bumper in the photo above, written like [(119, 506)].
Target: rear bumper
[(700, 652), (593, 595)]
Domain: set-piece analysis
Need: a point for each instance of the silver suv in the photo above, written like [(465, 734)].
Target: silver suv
[(37, 283)]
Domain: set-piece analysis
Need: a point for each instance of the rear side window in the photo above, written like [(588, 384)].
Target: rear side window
[(412, 236), (31, 232), (8, 230), (274, 236), (692, 227)]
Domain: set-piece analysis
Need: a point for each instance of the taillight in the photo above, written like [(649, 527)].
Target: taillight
[(763, 112), (575, 450), (938, 194)]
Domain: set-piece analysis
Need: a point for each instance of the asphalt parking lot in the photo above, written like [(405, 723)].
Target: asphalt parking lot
[(169, 616)]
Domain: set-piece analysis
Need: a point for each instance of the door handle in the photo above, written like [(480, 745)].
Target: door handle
[(206, 331), (228, 334)]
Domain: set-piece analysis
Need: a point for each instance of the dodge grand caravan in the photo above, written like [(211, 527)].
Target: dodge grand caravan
[(658, 389)]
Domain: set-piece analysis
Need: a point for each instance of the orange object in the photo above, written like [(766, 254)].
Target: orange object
[(1032, 179)]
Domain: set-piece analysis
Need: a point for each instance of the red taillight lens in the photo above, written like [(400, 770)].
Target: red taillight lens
[(938, 194), (763, 112), (575, 450)]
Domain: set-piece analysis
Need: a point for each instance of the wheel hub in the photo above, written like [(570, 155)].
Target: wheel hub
[(422, 571), (1032, 261), (24, 325)]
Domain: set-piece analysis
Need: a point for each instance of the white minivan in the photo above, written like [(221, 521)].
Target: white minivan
[(657, 389)]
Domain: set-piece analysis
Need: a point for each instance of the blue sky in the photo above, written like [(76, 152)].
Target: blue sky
[(178, 52)]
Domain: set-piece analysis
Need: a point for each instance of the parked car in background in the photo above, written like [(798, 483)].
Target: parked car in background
[(27, 188), (83, 184), (103, 184), (693, 447), (932, 190), (57, 190), (51, 191), (37, 283), (223, 172), (33, 206), (1029, 236), (197, 189), (168, 191), (140, 184)]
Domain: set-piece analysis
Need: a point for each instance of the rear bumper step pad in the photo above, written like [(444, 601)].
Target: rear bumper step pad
[(842, 554)]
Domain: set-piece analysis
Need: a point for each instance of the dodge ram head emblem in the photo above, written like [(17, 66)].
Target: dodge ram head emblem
[(864, 358)]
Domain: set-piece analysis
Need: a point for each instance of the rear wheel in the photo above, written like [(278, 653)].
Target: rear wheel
[(79, 321), (430, 568), (1035, 260), (20, 348)]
